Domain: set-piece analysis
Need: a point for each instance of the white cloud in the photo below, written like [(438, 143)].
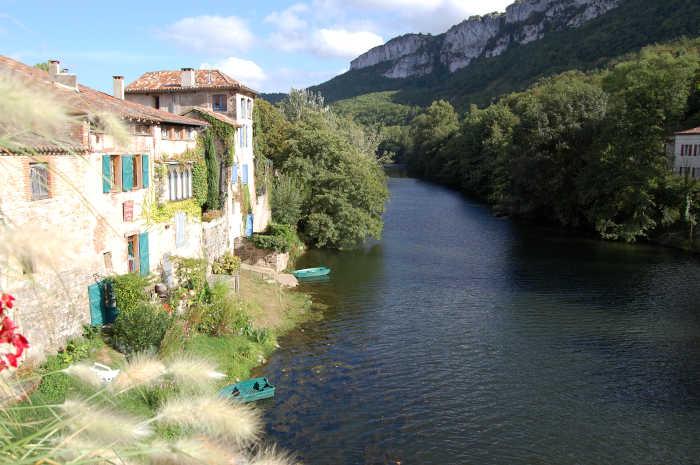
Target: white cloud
[(344, 43), (289, 19), (246, 71), (211, 34)]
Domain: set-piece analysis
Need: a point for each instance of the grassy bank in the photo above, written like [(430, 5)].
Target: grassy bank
[(266, 311)]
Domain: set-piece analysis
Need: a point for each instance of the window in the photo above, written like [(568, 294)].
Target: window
[(39, 178), (116, 170), (156, 101), (249, 111), (218, 102), (163, 132), (142, 129), (242, 105), (122, 173), (179, 182), (138, 173), (107, 256), (132, 253), (193, 134)]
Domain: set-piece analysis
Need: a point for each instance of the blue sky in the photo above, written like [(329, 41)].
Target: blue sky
[(271, 45)]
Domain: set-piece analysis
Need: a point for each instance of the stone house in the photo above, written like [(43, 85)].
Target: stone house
[(686, 153), (203, 94), (75, 211)]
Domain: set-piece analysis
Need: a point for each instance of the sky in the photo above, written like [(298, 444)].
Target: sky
[(269, 45)]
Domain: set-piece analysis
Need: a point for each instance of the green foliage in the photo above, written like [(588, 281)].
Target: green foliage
[(173, 339), (140, 329), (278, 237), (44, 66), (166, 211), (287, 200), (582, 151), (223, 314), (213, 172), (228, 263), (191, 273), (377, 109), (200, 182), (270, 129), (246, 204), (129, 291)]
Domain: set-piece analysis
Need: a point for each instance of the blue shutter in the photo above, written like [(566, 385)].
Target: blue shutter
[(106, 174), (179, 228), (144, 170), (249, 225), (244, 174), (127, 172), (144, 268), (95, 298), (234, 173)]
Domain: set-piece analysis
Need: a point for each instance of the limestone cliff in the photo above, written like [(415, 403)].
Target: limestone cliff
[(490, 35)]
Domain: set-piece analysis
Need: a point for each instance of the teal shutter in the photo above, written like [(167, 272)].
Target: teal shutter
[(95, 298), (234, 173), (106, 174), (144, 170), (249, 225), (144, 269), (127, 172), (244, 174)]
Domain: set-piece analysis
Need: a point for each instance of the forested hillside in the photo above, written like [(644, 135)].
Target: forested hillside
[(585, 151), (627, 28)]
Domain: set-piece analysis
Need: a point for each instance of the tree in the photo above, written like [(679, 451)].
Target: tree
[(428, 132), (213, 172)]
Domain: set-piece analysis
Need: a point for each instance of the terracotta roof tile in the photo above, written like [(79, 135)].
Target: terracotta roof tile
[(219, 116), (87, 100), (689, 132), (171, 81)]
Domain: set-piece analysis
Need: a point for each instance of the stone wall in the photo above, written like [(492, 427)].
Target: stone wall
[(216, 238), (258, 257)]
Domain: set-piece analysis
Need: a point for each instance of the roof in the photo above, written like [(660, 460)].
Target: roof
[(87, 100), (171, 81), (218, 116), (689, 132)]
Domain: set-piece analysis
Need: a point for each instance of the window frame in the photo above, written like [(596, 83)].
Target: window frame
[(32, 169), (220, 108), (137, 172), (133, 239), (115, 166)]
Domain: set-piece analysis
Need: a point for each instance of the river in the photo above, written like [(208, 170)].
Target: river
[(462, 338)]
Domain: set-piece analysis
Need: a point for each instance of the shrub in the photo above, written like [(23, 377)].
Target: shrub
[(226, 264), (223, 314), (129, 291), (191, 273), (141, 329), (278, 237), (173, 339), (286, 200), (211, 215), (199, 182)]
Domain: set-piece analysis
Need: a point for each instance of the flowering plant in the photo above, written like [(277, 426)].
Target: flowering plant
[(12, 344)]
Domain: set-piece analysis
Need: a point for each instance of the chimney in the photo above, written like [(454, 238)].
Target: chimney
[(187, 77), (118, 82), (54, 67)]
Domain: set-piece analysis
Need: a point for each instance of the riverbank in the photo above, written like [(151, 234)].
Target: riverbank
[(269, 309)]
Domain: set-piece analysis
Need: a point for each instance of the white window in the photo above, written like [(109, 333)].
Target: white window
[(179, 182), (250, 108)]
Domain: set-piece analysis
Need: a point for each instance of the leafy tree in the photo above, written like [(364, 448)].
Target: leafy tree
[(429, 131), (287, 200), (213, 172)]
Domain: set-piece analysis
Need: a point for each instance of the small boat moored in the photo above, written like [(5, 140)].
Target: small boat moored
[(249, 390), (311, 272)]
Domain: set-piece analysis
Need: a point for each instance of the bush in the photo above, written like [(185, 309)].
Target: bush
[(226, 264), (173, 339), (286, 200), (129, 291), (199, 182), (141, 329), (223, 314), (191, 273), (211, 215), (278, 237)]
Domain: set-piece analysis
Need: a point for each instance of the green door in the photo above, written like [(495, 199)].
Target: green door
[(144, 268), (96, 308)]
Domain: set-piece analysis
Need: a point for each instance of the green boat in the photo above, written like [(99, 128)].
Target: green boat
[(249, 390), (311, 272)]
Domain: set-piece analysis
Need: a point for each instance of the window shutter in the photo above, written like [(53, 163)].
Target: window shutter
[(127, 172), (244, 174), (179, 228), (106, 174), (144, 269), (249, 225), (144, 170), (234, 173), (95, 299)]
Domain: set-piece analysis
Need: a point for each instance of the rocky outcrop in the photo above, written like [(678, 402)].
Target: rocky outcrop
[(524, 21)]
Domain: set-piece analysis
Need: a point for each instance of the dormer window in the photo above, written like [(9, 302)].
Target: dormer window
[(218, 102)]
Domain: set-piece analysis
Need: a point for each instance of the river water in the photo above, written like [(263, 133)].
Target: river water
[(461, 338)]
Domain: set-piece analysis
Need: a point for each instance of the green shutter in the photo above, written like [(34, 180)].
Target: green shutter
[(95, 298), (127, 172), (144, 170), (144, 269), (106, 174)]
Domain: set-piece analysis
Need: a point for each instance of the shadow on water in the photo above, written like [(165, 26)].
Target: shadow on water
[(464, 338)]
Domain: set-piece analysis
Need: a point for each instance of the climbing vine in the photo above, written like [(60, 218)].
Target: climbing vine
[(213, 172)]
